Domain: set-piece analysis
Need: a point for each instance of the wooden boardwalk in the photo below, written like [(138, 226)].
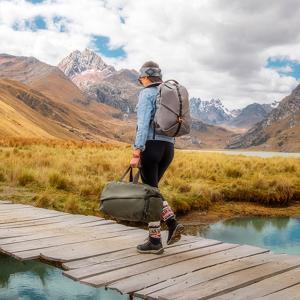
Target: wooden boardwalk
[(102, 253)]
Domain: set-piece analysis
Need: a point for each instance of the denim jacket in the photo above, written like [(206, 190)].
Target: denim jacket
[(145, 113)]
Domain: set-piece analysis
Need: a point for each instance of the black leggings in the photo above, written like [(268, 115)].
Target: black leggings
[(155, 160)]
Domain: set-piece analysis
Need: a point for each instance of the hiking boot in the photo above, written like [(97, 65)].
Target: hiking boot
[(175, 231), (150, 248)]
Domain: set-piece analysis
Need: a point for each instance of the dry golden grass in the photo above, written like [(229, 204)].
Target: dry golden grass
[(70, 175)]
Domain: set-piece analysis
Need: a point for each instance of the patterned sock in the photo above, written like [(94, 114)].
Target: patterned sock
[(167, 213), (154, 233)]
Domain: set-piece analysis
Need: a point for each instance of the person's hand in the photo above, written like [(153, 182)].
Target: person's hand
[(136, 158)]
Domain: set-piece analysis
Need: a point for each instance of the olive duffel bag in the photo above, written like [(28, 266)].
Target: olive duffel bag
[(131, 201)]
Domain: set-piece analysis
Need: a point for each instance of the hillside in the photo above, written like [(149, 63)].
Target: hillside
[(90, 121), (26, 113), (249, 116), (40, 76), (280, 130)]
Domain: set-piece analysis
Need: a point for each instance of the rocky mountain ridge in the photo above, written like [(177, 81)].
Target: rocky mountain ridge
[(214, 112), (279, 130), (102, 82)]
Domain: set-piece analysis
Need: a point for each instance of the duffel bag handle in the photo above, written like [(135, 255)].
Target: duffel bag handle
[(134, 179)]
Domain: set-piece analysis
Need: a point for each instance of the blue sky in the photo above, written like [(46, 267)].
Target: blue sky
[(284, 67), (101, 44)]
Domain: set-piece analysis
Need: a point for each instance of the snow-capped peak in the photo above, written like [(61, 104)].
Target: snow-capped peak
[(78, 62), (211, 112)]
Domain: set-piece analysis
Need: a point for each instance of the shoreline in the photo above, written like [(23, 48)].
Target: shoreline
[(221, 211)]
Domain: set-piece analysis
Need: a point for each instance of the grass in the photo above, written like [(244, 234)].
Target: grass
[(69, 176)]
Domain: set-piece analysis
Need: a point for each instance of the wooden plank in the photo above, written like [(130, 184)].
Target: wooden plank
[(108, 257), (178, 267), (160, 263), (69, 221), (14, 206), (134, 260), (4, 223), (76, 247), (11, 218), (269, 286), (171, 286), (65, 231), (89, 249), (60, 240), (28, 211), (43, 221), (290, 293), (231, 282), (5, 202), (34, 254)]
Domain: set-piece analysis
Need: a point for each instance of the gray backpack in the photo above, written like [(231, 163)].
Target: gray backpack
[(172, 115)]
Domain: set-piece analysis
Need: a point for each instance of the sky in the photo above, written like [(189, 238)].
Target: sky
[(238, 51)]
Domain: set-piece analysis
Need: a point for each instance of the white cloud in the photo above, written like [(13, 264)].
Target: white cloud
[(216, 48)]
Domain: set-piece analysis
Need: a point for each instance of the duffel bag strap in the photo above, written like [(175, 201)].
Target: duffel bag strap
[(137, 176), (134, 179), (129, 169)]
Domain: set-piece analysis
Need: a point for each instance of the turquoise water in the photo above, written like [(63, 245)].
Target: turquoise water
[(38, 281), (281, 235)]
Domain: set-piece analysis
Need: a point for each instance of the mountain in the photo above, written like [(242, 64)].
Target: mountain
[(85, 64), (280, 130), (100, 81), (91, 121), (249, 116), (215, 113), (210, 112)]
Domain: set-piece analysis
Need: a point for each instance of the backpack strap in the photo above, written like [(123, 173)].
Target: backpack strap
[(151, 121), (153, 84), (172, 80), (180, 109)]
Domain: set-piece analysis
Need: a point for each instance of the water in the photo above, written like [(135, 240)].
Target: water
[(37, 281), (280, 234), (263, 154)]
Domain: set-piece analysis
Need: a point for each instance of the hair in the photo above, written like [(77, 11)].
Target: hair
[(152, 64)]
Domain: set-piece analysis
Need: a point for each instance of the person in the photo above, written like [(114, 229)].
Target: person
[(153, 153)]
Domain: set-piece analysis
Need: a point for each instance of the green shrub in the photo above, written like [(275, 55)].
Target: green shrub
[(2, 177), (233, 173), (59, 182), (25, 178)]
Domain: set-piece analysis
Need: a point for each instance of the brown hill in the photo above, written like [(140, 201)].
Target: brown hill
[(40, 76), (87, 119), (26, 113)]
